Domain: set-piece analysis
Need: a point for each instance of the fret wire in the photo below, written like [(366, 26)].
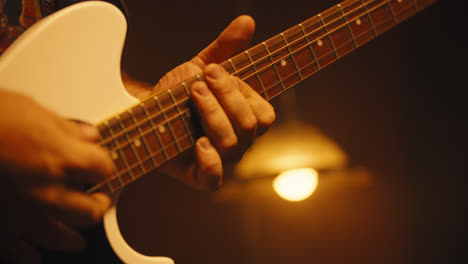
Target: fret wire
[(324, 55), (132, 147), (391, 11), (156, 134), (330, 52), (226, 67), (414, 5), (167, 122), (140, 133), (186, 89), (260, 81), (130, 168), (355, 9), (189, 112), (371, 22), (113, 164), (309, 44), (118, 149), (169, 119), (347, 25), (322, 26), (328, 35), (274, 67), (292, 57), (162, 150), (100, 185), (328, 24), (188, 96), (318, 28), (306, 34), (181, 116), (232, 66)]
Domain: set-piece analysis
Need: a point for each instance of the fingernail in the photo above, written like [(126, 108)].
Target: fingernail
[(215, 71), (201, 89)]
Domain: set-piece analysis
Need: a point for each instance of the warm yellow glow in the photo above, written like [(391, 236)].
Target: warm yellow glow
[(296, 185)]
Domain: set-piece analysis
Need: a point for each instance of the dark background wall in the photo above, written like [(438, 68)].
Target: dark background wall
[(396, 106)]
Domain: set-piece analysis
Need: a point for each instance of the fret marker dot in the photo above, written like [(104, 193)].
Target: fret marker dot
[(283, 63), (358, 21), (137, 143), (319, 42), (399, 1), (162, 129), (114, 155)]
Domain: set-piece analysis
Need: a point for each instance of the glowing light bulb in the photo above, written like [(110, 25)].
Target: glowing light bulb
[(296, 185)]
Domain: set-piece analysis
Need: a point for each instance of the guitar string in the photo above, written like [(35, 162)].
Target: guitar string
[(173, 106), (323, 26), (346, 43), (187, 99), (152, 155), (123, 131)]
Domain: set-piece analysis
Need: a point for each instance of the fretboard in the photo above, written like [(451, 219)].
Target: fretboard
[(159, 128)]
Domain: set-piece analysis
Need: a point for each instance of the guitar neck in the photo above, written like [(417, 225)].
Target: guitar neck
[(160, 127)]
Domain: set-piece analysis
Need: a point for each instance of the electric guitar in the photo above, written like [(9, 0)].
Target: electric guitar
[(141, 135)]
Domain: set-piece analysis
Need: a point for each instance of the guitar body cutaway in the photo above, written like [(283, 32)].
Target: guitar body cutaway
[(69, 62)]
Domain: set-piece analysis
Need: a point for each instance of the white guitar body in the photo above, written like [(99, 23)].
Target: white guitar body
[(70, 63)]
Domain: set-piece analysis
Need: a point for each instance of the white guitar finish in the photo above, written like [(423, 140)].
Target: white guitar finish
[(126, 253), (70, 63)]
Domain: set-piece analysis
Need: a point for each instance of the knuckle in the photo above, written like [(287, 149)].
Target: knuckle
[(235, 81), (210, 109), (72, 162), (225, 86), (221, 89), (209, 166), (52, 165)]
